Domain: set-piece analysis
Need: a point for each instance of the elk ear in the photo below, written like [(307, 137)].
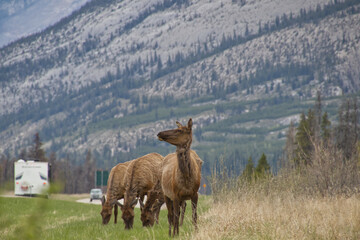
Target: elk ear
[(133, 204), (155, 205), (178, 124), (141, 204), (190, 123), (103, 200)]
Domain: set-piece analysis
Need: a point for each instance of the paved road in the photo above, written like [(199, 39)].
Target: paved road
[(98, 202), (87, 200)]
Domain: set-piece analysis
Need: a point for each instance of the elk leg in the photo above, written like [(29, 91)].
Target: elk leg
[(169, 206), (183, 207), (161, 202), (115, 213), (194, 200), (176, 206)]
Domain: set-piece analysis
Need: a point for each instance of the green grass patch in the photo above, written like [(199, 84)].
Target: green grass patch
[(36, 218)]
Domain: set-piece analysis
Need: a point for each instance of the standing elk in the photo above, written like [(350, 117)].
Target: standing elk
[(181, 174), (115, 191), (141, 177)]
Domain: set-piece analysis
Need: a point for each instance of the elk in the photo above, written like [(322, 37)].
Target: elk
[(115, 191), (151, 209), (181, 174), (141, 177)]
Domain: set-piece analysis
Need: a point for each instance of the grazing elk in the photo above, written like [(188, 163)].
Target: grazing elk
[(115, 191), (151, 209), (141, 177), (181, 174)]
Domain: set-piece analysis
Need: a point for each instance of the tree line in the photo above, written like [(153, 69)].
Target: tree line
[(326, 153), (66, 173), (315, 127), (319, 157)]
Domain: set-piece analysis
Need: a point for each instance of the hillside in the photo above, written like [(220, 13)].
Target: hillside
[(20, 18), (114, 73)]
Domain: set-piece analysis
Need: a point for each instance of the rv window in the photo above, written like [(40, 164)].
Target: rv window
[(42, 176), (19, 176)]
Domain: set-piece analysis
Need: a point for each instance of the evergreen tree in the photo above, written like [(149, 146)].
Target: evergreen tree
[(36, 152), (53, 167), (312, 122), (303, 142), (263, 168), (290, 146), (325, 128), (246, 30), (159, 64), (248, 172), (318, 116), (347, 129)]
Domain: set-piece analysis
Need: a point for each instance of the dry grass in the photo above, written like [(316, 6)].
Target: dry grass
[(316, 201), (253, 216)]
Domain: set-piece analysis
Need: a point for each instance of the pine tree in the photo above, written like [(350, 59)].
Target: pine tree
[(347, 130), (325, 128), (36, 152), (312, 123), (248, 172), (246, 30), (318, 116), (290, 147), (263, 168), (303, 141)]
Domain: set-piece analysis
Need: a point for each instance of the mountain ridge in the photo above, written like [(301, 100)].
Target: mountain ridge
[(113, 77), (20, 18)]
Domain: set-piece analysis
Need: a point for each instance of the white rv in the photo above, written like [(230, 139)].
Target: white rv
[(31, 177)]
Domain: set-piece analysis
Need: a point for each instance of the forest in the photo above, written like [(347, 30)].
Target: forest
[(336, 143)]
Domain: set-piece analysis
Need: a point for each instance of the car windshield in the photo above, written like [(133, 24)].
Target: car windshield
[(96, 191)]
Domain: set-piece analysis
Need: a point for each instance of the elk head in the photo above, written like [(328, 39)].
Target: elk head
[(106, 210), (180, 137), (128, 213), (148, 213)]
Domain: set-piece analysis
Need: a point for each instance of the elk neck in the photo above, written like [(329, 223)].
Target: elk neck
[(183, 156)]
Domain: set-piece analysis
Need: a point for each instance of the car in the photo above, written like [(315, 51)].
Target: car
[(95, 193)]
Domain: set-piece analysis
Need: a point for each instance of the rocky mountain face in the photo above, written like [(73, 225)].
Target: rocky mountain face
[(20, 18), (114, 73)]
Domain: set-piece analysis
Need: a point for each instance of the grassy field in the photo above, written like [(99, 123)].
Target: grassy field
[(247, 216), (36, 218)]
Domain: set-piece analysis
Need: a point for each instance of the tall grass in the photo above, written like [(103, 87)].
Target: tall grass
[(319, 201), (257, 216)]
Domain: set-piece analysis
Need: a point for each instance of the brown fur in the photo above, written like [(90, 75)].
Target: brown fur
[(151, 209), (115, 191), (141, 176), (181, 174)]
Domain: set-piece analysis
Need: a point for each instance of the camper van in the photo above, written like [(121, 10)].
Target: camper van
[(31, 177)]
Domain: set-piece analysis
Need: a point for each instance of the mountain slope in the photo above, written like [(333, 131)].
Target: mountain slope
[(20, 18), (116, 72)]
